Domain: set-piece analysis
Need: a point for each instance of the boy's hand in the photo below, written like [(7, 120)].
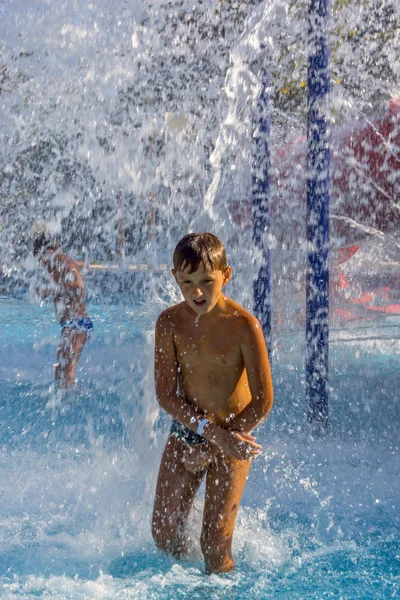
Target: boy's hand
[(238, 444)]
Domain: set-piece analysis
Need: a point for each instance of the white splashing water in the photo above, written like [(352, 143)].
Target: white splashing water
[(157, 100)]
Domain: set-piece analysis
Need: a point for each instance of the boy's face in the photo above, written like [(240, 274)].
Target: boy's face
[(202, 289)]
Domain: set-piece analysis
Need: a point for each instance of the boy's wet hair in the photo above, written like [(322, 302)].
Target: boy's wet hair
[(44, 241), (196, 248)]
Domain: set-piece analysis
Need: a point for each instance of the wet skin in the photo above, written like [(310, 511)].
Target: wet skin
[(67, 288), (216, 349)]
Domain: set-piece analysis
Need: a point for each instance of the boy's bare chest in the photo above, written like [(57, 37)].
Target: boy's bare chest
[(201, 347)]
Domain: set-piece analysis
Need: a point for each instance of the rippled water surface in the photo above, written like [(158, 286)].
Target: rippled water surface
[(319, 518)]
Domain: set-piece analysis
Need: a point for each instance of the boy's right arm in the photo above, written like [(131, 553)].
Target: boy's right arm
[(239, 445)]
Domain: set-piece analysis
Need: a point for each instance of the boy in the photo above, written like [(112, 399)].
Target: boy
[(212, 375), (67, 287)]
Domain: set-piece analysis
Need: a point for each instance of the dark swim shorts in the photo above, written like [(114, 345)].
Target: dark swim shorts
[(187, 435), (84, 325)]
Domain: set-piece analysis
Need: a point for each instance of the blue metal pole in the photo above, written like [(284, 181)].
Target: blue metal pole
[(317, 282), (262, 289)]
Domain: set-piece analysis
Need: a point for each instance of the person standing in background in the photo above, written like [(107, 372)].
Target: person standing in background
[(66, 285)]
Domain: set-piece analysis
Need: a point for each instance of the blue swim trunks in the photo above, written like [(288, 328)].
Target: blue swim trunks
[(186, 435), (84, 325)]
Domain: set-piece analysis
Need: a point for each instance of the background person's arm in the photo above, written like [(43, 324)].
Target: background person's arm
[(68, 276)]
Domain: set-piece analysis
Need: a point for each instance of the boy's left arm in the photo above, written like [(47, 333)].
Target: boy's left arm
[(258, 369)]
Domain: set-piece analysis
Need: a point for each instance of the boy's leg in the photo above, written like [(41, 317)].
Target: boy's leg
[(68, 355), (175, 492), (226, 478)]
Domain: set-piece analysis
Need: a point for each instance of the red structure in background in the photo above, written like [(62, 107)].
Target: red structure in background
[(365, 181), (366, 184), (366, 172), (365, 197)]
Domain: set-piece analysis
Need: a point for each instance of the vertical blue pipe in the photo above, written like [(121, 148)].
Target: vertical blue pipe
[(261, 209), (317, 282)]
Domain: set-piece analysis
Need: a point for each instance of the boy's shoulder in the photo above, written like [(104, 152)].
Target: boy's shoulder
[(62, 262), (172, 314), (66, 271), (239, 317)]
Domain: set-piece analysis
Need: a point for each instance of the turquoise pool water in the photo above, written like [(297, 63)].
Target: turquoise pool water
[(319, 518)]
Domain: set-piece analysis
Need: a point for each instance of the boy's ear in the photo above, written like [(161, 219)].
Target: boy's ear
[(227, 275), (174, 274)]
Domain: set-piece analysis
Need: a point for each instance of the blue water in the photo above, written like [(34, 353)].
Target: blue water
[(319, 518)]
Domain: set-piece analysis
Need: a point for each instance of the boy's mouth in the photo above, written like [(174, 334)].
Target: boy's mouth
[(199, 302)]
